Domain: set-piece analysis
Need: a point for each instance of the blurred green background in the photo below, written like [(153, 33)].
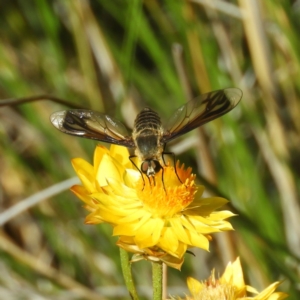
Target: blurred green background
[(118, 57)]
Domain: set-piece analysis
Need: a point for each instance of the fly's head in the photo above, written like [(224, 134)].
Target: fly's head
[(150, 167)]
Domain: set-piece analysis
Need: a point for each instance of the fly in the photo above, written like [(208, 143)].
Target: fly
[(149, 136)]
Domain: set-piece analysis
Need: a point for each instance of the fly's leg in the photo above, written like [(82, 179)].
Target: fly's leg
[(174, 163), (131, 159)]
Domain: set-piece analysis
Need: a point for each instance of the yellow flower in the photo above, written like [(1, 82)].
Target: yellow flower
[(157, 219), (230, 286)]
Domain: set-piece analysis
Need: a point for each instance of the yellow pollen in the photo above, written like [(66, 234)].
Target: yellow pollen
[(165, 195)]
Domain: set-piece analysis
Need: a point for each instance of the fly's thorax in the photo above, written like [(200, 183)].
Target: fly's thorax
[(147, 133), (148, 146)]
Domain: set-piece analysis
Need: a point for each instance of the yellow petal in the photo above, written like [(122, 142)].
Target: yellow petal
[(199, 240), (168, 241), (278, 296), (99, 152), (85, 172), (220, 215), (149, 233), (201, 227), (125, 230), (179, 230), (194, 286), (79, 163), (208, 204), (133, 217), (234, 274), (109, 168), (131, 178), (173, 262), (269, 294), (121, 155), (188, 226), (81, 193)]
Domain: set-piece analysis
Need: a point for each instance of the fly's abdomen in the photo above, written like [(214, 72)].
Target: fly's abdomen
[(147, 122)]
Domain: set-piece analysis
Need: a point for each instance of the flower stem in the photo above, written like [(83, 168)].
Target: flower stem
[(126, 269), (157, 280)]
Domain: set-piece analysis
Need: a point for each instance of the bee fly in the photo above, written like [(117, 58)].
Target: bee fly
[(148, 136)]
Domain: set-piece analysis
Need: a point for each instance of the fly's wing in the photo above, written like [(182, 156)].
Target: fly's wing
[(201, 110), (92, 125)]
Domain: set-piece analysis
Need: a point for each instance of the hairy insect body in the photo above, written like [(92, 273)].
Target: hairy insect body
[(147, 135)]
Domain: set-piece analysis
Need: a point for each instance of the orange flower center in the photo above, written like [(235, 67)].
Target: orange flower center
[(164, 195)]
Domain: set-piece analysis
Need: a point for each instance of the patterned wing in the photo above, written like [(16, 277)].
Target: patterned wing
[(92, 125), (201, 110)]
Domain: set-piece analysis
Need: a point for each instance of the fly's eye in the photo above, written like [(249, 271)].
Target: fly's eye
[(150, 167), (156, 166), (145, 166)]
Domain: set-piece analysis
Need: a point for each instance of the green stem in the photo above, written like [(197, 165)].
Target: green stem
[(126, 269), (157, 280)]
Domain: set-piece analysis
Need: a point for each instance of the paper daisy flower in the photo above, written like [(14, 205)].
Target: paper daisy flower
[(155, 219), (230, 286)]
